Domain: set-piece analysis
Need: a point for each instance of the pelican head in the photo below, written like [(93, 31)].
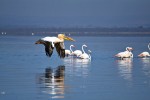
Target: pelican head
[(62, 36)]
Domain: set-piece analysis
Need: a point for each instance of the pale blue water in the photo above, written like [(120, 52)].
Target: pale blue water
[(24, 69)]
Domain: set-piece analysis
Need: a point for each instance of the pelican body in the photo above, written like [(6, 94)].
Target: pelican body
[(125, 54), (54, 42)]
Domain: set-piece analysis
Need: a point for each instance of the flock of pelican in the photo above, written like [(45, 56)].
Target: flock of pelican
[(128, 53), (58, 42)]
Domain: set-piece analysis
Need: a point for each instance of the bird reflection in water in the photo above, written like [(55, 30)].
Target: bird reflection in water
[(53, 81), (146, 65), (125, 68), (77, 67), (76, 62)]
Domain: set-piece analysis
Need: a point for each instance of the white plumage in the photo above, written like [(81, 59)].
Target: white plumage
[(54, 42), (79, 52), (145, 53), (125, 54), (69, 52), (85, 55)]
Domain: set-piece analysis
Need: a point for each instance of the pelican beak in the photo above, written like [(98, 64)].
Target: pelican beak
[(68, 38)]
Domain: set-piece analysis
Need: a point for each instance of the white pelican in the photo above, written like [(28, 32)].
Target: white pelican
[(125, 54), (79, 52), (57, 42), (69, 52), (85, 55), (145, 54)]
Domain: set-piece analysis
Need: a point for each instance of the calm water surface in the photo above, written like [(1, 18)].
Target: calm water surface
[(27, 74)]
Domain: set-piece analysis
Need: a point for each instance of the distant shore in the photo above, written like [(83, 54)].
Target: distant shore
[(76, 31)]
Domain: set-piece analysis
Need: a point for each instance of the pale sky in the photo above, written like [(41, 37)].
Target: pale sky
[(102, 13)]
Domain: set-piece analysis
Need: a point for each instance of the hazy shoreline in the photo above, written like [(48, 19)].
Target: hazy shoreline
[(76, 31)]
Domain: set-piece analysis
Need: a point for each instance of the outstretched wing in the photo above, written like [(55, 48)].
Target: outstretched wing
[(60, 48), (48, 48)]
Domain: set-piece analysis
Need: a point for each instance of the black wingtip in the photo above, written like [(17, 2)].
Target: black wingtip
[(62, 53)]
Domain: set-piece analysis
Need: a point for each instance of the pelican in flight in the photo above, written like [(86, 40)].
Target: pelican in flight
[(57, 42), (125, 54), (69, 52), (145, 53)]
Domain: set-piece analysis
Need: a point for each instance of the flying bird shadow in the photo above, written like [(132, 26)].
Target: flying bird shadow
[(52, 81)]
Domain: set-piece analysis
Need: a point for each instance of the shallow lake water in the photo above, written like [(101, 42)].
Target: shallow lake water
[(26, 73)]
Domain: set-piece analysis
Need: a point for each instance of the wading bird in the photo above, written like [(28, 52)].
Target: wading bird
[(69, 52), (79, 52), (85, 55), (145, 53), (125, 54), (57, 42)]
